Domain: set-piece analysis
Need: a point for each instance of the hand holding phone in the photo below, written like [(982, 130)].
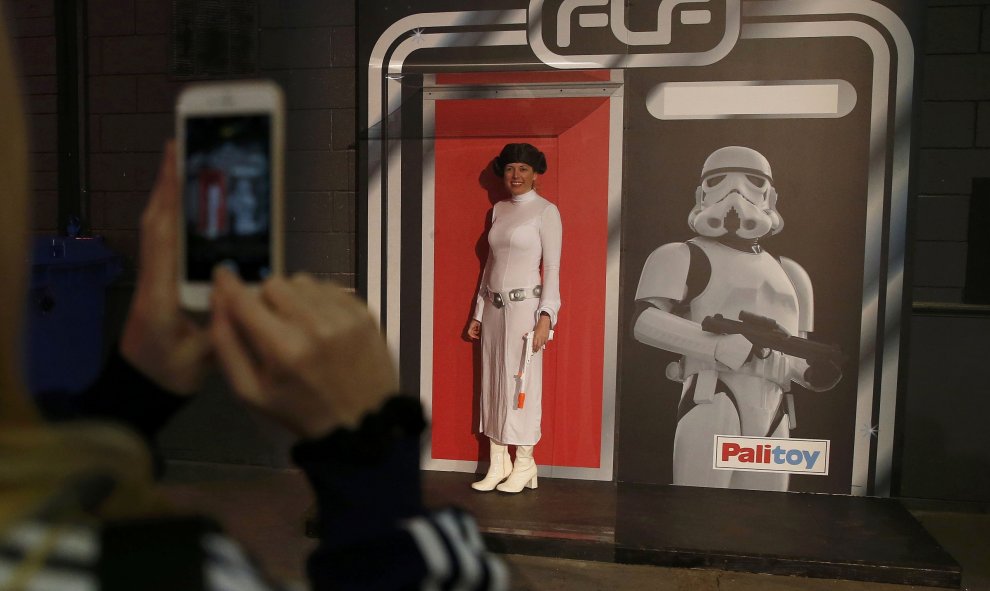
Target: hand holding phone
[(230, 160), (158, 339), (305, 352)]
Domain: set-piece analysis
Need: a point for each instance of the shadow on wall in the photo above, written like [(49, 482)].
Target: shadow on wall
[(940, 470), (946, 408)]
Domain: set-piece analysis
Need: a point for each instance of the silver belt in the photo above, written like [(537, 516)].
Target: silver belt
[(499, 298)]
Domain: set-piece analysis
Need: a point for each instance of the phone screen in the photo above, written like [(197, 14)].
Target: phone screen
[(227, 193)]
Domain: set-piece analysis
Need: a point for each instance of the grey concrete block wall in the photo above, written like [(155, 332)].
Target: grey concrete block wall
[(32, 26), (305, 45), (983, 123), (948, 125), (125, 141), (950, 29), (954, 142)]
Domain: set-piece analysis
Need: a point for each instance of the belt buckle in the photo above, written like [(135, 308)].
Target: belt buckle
[(497, 300), (517, 295)]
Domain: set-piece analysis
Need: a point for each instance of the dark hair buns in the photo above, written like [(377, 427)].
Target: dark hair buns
[(526, 153)]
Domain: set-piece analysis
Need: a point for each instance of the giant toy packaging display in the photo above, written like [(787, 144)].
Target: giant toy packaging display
[(732, 180)]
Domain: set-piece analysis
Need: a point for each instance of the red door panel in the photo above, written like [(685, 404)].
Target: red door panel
[(574, 135)]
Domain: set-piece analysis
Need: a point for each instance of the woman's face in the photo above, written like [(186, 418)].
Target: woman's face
[(519, 178)]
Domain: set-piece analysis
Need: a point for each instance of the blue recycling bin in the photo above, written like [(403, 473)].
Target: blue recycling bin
[(65, 311)]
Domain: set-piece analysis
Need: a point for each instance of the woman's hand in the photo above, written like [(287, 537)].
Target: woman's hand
[(158, 339), (541, 332), (304, 352), (474, 330)]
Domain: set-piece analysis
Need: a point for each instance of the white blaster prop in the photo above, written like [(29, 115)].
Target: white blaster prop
[(521, 376)]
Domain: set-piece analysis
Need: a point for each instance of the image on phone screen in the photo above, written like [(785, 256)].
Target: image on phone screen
[(227, 195)]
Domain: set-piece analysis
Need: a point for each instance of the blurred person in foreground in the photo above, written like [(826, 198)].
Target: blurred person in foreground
[(78, 508)]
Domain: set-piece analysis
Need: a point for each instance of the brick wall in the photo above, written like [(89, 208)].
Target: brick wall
[(129, 112), (954, 141), (306, 45), (32, 24)]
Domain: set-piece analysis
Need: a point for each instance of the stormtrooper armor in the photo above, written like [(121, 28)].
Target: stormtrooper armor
[(728, 388)]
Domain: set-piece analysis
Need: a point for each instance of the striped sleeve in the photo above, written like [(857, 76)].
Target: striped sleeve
[(374, 531), (454, 555), (228, 568), (40, 557)]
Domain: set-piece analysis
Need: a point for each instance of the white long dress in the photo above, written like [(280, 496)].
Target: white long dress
[(525, 230)]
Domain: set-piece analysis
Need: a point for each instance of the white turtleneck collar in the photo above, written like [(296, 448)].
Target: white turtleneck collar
[(527, 196)]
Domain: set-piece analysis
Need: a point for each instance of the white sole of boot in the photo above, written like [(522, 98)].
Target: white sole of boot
[(531, 484)]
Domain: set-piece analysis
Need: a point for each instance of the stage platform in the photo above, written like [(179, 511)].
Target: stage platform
[(820, 536)]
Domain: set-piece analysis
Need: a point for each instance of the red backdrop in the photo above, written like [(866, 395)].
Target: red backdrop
[(573, 132)]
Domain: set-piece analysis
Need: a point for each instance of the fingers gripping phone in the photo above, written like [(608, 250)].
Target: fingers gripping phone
[(230, 160)]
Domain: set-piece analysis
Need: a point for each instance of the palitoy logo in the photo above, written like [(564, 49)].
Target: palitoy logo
[(768, 454)]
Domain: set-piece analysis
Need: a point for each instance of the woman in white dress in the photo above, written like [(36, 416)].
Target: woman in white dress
[(514, 300)]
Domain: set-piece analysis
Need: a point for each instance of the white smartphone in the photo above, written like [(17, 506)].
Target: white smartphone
[(231, 138)]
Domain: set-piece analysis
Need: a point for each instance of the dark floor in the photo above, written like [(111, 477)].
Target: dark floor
[(823, 536), (266, 510)]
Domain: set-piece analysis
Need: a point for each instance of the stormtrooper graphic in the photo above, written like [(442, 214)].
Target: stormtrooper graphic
[(738, 316), (249, 218)]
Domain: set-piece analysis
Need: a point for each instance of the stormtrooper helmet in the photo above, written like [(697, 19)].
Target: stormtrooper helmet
[(736, 198)]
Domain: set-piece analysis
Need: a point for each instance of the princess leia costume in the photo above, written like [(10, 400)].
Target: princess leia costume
[(526, 230)]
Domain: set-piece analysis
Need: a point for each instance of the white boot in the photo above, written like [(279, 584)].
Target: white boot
[(498, 470), (523, 472)]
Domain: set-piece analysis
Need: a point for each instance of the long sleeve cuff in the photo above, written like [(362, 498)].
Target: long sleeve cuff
[(479, 308), (549, 312), (366, 478), (121, 394)]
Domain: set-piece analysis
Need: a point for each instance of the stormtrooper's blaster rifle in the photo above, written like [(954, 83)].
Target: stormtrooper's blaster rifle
[(766, 334)]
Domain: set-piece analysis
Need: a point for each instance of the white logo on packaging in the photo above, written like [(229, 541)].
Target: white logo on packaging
[(660, 38), (617, 17), (768, 454)]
